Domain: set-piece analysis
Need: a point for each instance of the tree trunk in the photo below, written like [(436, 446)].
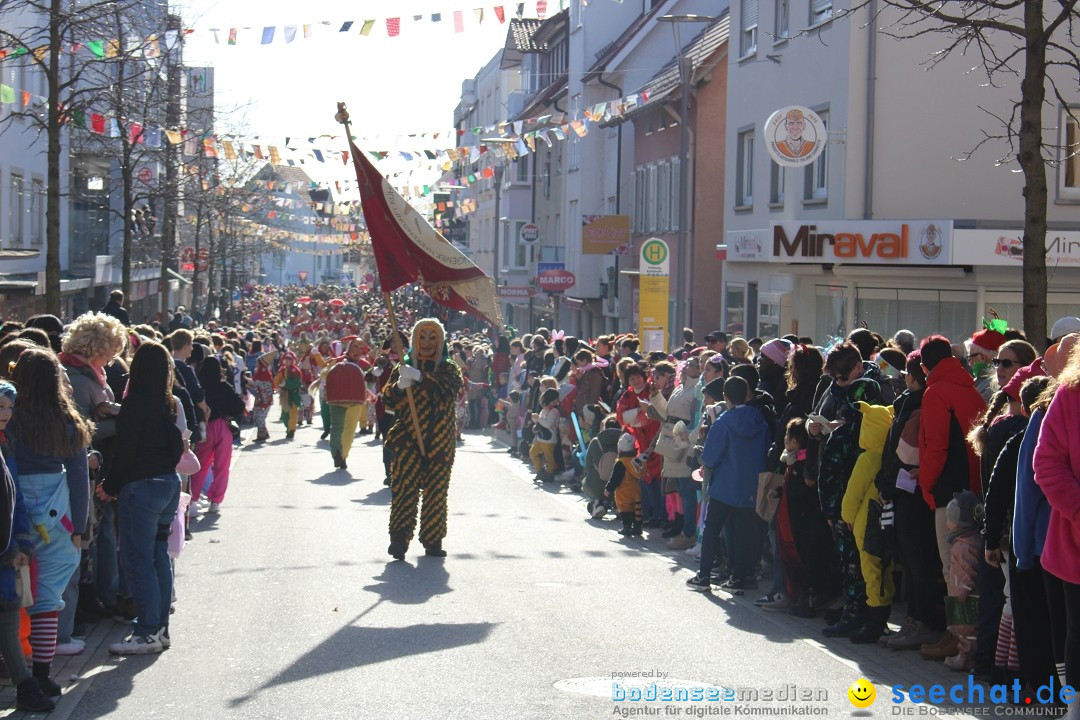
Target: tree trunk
[(1032, 96), (52, 204)]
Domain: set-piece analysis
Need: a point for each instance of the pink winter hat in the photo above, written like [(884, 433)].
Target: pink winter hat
[(1012, 388), (777, 350)]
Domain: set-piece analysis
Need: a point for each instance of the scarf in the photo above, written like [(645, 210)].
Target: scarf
[(72, 360)]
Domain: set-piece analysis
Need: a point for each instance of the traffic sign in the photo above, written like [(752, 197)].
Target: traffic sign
[(529, 233)]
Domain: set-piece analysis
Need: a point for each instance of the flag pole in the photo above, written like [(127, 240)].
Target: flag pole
[(342, 117)]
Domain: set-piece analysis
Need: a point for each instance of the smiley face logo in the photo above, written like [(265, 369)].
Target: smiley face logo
[(862, 693)]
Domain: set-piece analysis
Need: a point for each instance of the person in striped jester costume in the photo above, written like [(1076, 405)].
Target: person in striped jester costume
[(435, 381)]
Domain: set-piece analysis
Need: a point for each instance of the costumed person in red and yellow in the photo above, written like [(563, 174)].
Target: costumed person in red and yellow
[(346, 394), (435, 381), (632, 412)]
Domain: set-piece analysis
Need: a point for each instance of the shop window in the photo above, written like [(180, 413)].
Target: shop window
[(922, 311), (831, 316), (734, 308), (663, 198), (744, 178), (37, 212), (676, 193), (768, 317), (1069, 169)]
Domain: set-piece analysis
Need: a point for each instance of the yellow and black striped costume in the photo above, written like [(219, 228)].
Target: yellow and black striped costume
[(412, 473)]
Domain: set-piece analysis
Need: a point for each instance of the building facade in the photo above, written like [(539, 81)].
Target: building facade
[(888, 227)]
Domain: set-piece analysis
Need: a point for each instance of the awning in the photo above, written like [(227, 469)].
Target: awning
[(178, 276)]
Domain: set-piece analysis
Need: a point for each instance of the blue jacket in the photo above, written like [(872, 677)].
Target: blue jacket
[(1031, 513), (21, 540), (735, 452)]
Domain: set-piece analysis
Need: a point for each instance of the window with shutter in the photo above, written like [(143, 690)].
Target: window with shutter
[(748, 36), (820, 11)]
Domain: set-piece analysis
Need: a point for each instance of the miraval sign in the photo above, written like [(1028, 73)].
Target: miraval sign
[(871, 242)]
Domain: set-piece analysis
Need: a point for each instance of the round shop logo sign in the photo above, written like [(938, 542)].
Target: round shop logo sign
[(930, 242), (795, 136)]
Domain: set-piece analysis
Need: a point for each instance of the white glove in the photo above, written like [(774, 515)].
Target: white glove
[(407, 375), (376, 371)]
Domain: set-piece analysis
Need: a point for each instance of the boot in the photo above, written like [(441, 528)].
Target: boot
[(805, 606), (635, 528), (325, 434), (849, 622), (946, 647), (877, 620), (398, 545), (29, 697), (627, 523), (434, 549), (337, 459), (674, 527)]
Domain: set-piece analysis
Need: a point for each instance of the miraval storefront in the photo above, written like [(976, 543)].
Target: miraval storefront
[(823, 278)]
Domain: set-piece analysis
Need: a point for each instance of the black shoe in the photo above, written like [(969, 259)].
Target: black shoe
[(343, 464), (289, 435), (47, 686), (833, 615), (325, 434), (845, 627), (876, 625), (434, 550), (700, 583), (398, 546), (386, 481), (29, 697)]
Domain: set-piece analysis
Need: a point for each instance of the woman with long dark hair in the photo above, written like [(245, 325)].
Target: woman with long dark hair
[(50, 438), (144, 481)]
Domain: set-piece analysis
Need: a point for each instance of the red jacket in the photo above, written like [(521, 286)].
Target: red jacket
[(951, 406), (644, 430)]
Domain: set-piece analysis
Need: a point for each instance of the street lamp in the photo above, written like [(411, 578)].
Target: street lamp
[(682, 314)]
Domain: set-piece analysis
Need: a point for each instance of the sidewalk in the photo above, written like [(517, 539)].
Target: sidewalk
[(73, 672)]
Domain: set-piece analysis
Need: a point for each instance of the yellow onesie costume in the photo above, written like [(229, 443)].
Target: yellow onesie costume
[(413, 473), (860, 491)]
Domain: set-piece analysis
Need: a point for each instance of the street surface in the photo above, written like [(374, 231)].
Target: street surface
[(289, 607)]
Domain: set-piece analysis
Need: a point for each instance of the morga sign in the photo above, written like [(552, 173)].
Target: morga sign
[(869, 242)]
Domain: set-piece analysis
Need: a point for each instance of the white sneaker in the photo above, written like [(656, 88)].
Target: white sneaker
[(193, 511), (72, 647), (694, 551), (214, 508), (138, 645), (163, 637)]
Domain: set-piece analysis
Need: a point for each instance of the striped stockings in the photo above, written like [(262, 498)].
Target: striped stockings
[(43, 636)]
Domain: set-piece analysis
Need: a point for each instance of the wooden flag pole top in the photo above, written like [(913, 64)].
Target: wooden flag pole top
[(342, 117)]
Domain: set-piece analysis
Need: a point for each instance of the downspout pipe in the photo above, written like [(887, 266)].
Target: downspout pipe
[(618, 172), (871, 85)]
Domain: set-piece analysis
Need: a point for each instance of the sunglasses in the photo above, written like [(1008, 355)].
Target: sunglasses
[(1001, 362)]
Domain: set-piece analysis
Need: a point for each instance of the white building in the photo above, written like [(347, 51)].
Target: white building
[(818, 250)]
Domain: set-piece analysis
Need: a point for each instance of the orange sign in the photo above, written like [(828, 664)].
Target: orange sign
[(604, 234)]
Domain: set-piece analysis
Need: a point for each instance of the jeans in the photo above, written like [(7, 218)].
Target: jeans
[(718, 517), (652, 501), (146, 510), (688, 492)]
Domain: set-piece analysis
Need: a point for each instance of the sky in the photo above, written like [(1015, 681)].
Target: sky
[(393, 86)]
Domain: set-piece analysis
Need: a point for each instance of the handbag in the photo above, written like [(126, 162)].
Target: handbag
[(189, 462), (179, 524), (768, 499)]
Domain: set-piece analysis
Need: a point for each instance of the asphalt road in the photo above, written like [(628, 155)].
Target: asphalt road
[(289, 607)]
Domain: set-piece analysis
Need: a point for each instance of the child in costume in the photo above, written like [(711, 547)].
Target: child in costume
[(542, 451), (290, 383), (625, 483), (262, 387), (435, 381), (854, 509), (962, 604)]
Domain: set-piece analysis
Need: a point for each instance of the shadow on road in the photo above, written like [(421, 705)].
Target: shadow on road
[(354, 646), (334, 477)]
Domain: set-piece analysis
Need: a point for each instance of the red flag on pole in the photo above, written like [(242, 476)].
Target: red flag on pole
[(408, 249)]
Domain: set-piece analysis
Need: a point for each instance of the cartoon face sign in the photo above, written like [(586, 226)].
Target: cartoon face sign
[(795, 136), (862, 693)]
